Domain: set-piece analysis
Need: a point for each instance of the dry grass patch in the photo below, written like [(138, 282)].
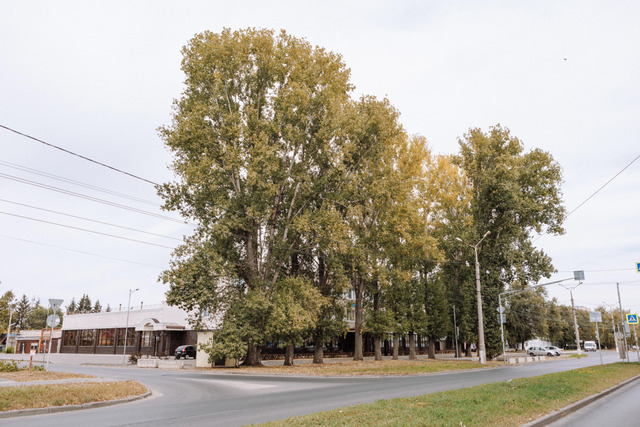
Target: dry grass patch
[(384, 367), (24, 376), (42, 396)]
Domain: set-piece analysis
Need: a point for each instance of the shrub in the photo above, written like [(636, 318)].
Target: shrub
[(8, 366), (9, 350)]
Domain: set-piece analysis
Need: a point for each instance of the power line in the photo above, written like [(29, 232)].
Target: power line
[(91, 198), (80, 252), (78, 155), (593, 194), (89, 219), (74, 182), (86, 230), (605, 184)]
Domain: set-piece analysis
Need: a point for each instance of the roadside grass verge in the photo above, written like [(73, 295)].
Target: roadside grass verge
[(42, 396), (507, 403), (352, 368), (25, 376)]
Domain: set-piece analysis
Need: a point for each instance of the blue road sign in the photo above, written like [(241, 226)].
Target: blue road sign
[(638, 267), (632, 319)]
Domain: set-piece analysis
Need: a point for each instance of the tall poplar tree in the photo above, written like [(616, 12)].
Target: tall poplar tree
[(256, 142), (514, 194)]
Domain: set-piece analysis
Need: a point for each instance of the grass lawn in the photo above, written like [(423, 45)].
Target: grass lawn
[(508, 403), (385, 367), (42, 396)]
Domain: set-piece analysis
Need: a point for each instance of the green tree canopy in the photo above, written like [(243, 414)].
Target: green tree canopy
[(256, 142)]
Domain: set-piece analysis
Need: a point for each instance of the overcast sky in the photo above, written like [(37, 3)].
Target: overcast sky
[(98, 78)]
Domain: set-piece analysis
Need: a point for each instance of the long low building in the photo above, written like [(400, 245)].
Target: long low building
[(149, 331)]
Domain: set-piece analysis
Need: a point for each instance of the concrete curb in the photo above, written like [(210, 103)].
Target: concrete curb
[(556, 415), (55, 409)]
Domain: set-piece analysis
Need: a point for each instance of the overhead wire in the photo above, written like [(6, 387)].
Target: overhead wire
[(74, 182), (78, 155), (86, 230), (89, 219), (91, 198), (593, 194), (80, 252)]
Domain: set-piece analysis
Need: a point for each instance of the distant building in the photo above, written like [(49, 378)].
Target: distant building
[(153, 330), (37, 340)]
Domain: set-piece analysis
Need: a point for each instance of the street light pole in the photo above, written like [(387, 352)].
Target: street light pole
[(613, 325), (482, 354), (126, 328)]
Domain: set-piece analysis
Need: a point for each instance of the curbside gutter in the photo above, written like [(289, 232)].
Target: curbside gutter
[(559, 414), (55, 409)]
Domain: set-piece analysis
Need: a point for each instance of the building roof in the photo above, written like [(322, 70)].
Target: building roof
[(152, 318)]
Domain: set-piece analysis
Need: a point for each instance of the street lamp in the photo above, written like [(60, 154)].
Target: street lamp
[(577, 275), (613, 325), (126, 328), (481, 348), (575, 320)]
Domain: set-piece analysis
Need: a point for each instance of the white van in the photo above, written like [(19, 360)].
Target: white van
[(590, 346)]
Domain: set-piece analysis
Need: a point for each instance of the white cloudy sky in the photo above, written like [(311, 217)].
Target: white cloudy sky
[(98, 78)]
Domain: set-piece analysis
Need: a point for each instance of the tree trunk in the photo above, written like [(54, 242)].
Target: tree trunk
[(358, 285), (318, 353), (254, 356), (396, 345), (412, 346), (377, 349), (467, 352), (432, 349), (288, 355)]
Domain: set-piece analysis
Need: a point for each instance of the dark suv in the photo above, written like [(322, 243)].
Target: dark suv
[(186, 351)]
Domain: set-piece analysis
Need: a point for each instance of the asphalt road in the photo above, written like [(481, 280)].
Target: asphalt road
[(193, 398), (619, 409)]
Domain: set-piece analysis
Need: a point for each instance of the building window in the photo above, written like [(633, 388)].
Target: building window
[(106, 337), (146, 338), (131, 337), (87, 337), (70, 338)]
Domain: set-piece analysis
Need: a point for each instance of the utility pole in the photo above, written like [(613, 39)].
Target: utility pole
[(624, 330), (455, 332)]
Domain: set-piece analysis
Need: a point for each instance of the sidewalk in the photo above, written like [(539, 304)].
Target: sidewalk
[(69, 358)]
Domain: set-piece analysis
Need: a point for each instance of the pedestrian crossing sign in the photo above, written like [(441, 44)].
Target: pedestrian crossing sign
[(638, 267), (632, 319)]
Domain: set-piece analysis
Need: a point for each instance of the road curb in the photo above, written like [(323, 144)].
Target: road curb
[(55, 409), (556, 415)]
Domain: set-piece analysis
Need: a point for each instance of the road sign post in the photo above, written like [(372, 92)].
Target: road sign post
[(52, 321)]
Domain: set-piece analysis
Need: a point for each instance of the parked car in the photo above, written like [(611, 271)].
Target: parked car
[(556, 350), (540, 351), (590, 346), (186, 351)]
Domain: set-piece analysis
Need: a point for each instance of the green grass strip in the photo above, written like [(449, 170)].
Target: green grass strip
[(507, 403)]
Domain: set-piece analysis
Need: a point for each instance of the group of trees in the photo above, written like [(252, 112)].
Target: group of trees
[(530, 315), (301, 193), (23, 313), (84, 305)]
